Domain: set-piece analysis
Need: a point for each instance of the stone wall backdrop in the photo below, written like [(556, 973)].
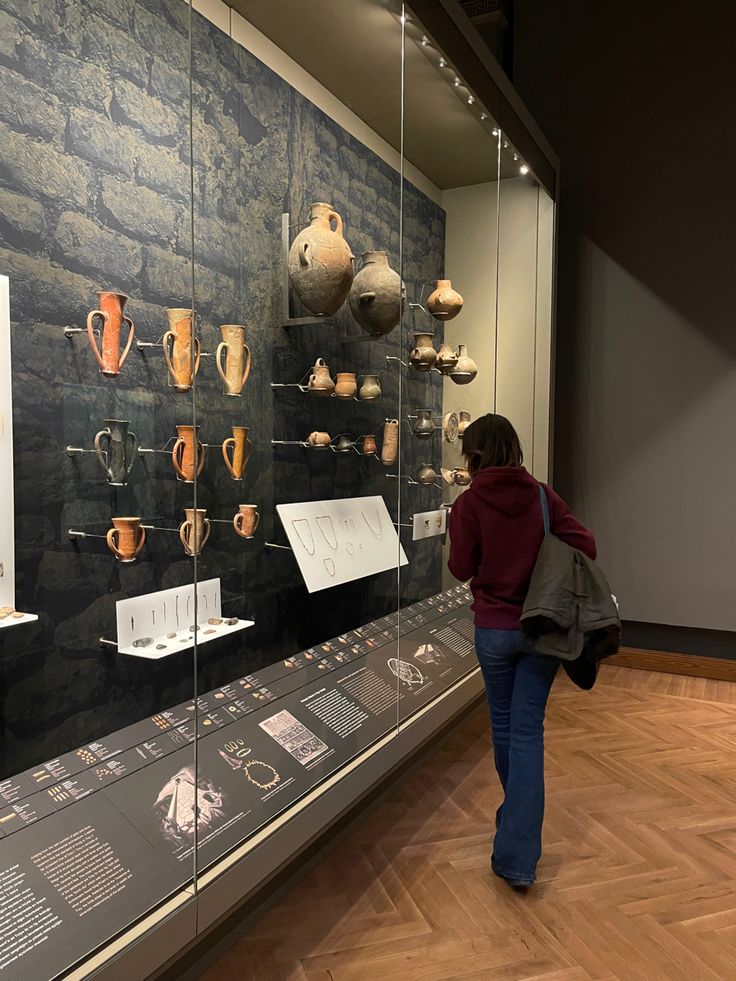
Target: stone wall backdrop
[(98, 187)]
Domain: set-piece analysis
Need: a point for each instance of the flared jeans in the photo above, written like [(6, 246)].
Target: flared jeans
[(518, 683)]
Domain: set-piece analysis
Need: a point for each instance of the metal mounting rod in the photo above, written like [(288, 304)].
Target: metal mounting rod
[(71, 450), (104, 642), (286, 548), (173, 531), (73, 533)]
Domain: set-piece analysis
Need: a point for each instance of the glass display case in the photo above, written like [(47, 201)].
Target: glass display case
[(260, 266)]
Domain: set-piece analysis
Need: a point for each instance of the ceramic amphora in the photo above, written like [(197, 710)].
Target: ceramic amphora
[(126, 538), (377, 295), (181, 348), (444, 302), (241, 448), (236, 369), (246, 520), (115, 446), (321, 265), (194, 531), (110, 314), (187, 449)]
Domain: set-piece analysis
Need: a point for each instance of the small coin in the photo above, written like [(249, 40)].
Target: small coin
[(3, 615), (210, 631), (193, 627), (17, 615), (7, 609), (160, 647), (170, 636), (143, 642), (231, 621), (215, 621)]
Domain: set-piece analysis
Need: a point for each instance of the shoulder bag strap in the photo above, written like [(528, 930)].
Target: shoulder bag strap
[(545, 509)]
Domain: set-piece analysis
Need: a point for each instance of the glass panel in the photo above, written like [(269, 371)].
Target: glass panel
[(525, 307), (449, 244), (95, 204), (294, 195)]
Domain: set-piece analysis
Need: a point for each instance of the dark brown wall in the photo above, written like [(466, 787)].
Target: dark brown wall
[(638, 101)]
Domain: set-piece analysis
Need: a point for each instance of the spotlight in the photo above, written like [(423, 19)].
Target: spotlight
[(524, 169), (471, 100)]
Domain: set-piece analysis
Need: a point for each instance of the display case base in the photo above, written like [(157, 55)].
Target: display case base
[(184, 640), (17, 621)]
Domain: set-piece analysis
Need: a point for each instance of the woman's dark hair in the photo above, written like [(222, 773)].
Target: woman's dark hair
[(491, 441)]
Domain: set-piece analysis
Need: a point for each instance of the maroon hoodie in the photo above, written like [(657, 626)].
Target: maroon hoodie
[(496, 528)]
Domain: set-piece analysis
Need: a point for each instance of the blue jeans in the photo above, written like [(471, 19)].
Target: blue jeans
[(518, 683)]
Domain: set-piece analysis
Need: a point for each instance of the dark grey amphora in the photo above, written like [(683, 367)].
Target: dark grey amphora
[(116, 446)]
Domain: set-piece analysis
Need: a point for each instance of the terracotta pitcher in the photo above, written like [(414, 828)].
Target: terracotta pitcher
[(466, 369), (246, 520), (126, 538), (237, 358), (118, 457), (242, 447), (110, 312), (390, 444), (320, 382), (321, 265), (424, 355), (444, 302), (187, 449), (195, 530), (181, 348)]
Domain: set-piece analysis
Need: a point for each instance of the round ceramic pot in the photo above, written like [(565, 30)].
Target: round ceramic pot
[(321, 265), (369, 446), (346, 386), (446, 359), (370, 388), (376, 295), (422, 425), (423, 356), (466, 369), (444, 302), (319, 439), (344, 444), (425, 474)]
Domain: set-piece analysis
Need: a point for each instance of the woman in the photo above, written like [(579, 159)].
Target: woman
[(496, 529)]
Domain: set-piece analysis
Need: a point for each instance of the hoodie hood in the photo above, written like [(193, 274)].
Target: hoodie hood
[(512, 491)]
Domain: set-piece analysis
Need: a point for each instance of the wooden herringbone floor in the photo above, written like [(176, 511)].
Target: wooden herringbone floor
[(638, 878)]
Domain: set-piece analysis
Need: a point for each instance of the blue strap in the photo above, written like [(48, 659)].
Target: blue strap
[(545, 508)]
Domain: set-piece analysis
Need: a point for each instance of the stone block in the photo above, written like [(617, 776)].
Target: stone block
[(21, 220), (216, 243), (93, 573), (41, 171), (114, 49), (74, 81), (107, 145), (85, 246), (168, 83), (167, 277), (10, 37), (139, 212), (29, 11), (154, 36), (29, 108), (131, 104), (120, 12), (356, 165), (45, 291), (163, 170)]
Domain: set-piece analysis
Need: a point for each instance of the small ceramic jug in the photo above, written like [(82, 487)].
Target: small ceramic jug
[(344, 444), (444, 302), (390, 444), (422, 424), (424, 355), (320, 382), (425, 474), (466, 369), (126, 538), (242, 448), (464, 422), (110, 313), (370, 388), (181, 348), (462, 476), (118, 456), (446, 359), (319, 439), (194, 530), (236, 369), (369, 445), (346, 386), (187, 453), (246, 520)]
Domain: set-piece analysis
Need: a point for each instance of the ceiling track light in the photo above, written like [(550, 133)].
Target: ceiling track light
[(457, 82), (443, 63), (483, 116), (425, 40), (524, 170)]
